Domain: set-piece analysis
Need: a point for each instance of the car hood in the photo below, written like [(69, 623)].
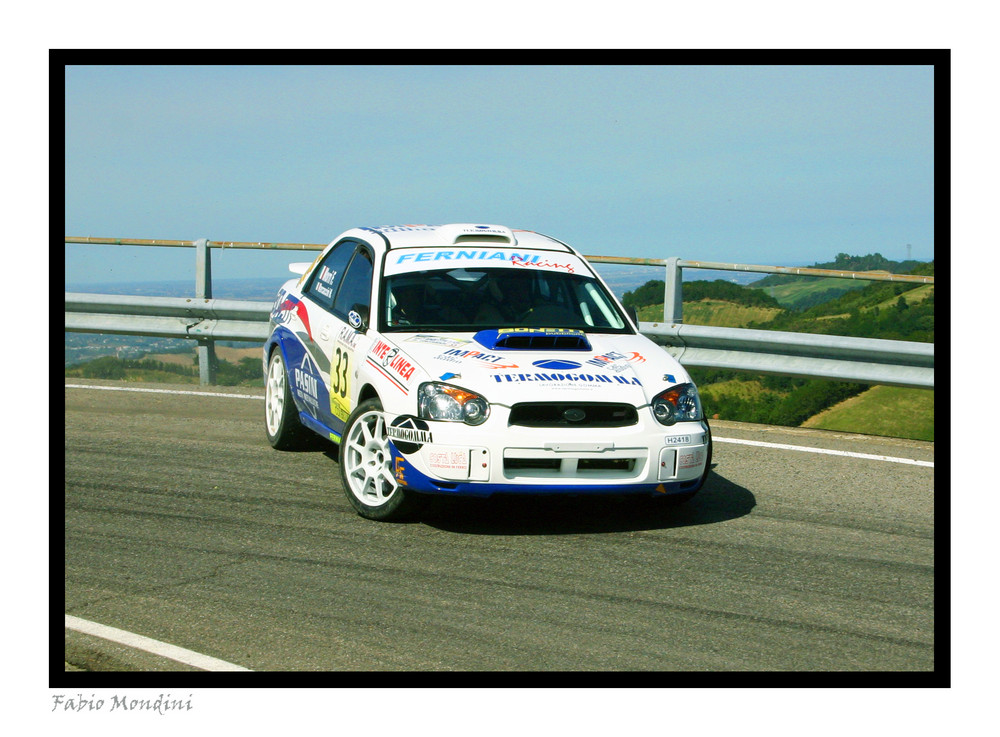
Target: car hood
[(545, 365)]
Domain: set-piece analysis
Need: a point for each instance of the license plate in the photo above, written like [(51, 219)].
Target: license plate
[(678, 440)]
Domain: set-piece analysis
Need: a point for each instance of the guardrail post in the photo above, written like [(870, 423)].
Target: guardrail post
[(203, 290), (672, 306)]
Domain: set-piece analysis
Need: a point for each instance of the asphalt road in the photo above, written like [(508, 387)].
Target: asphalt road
[(183, 525)]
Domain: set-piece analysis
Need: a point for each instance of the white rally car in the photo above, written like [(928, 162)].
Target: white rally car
[(474, 359)]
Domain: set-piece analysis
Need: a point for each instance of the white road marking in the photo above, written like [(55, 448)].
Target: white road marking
[(163, 649), (160, 391), (824, 451), (758, 443)]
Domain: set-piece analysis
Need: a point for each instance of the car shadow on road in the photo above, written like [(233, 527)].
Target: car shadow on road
[(718, 501)]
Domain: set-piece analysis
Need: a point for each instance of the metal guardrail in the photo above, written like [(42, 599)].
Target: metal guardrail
[(863, 360)]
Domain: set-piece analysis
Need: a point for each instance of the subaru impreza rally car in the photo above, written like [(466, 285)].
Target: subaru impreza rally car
[(471, 359)]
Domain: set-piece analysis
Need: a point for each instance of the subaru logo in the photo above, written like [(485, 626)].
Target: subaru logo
[(555, 365), (574, 414)]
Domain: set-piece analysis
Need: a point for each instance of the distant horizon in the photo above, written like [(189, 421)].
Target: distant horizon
[(742, 163), (282, 277)]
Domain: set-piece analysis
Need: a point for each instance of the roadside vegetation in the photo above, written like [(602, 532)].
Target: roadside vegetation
[(246, 371), (868, 309), (886, 310)]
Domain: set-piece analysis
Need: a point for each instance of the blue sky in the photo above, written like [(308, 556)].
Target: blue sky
[(774, 165)]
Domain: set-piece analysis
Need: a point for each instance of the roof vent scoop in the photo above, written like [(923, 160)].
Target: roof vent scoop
[(472, 233)]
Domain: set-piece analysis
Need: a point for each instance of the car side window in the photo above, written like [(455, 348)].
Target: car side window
[(329, 274), (356, 288)]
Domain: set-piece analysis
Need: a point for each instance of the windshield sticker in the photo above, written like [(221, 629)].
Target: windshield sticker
[(416, 259), (400, 228), (453, 254), (437, 340), (518, 261)]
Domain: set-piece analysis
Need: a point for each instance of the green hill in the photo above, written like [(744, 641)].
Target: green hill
[(882, 410), (889, 310)]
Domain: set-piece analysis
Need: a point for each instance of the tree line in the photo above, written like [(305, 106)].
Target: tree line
[(247, 370)]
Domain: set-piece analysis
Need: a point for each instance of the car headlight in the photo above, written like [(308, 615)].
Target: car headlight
[(677, 404), (449, 403)]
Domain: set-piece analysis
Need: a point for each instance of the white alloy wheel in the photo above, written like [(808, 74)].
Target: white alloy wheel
[(281, 416), (367, 467), (274, 398), (368, 460)]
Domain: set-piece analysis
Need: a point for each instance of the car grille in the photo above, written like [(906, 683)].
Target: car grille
[(585, 467), (573, 414)]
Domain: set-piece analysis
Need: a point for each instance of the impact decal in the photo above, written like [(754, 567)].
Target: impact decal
[(488, 360)]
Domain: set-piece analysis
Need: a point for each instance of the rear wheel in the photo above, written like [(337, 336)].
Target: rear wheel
[(281, 416), (366, 466)]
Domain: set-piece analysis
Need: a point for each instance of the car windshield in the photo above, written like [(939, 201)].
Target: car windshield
[(460, 300)]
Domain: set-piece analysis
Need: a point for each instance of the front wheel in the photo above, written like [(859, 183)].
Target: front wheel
[(367, 466)]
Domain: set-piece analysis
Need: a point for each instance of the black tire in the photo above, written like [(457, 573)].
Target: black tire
[(281, 417), (367, 465)]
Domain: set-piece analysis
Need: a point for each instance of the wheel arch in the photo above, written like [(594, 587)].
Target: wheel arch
[(367, 392)]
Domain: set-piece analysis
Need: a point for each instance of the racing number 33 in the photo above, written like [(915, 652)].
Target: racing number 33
[(339, 384)]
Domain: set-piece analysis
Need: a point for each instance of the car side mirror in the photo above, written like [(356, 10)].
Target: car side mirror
[(357, 318), (633, 314)]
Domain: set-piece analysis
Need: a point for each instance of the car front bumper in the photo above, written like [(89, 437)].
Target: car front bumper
[(640, 459)]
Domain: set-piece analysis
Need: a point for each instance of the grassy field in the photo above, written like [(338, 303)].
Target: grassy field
[(714, 312), (912, 297), (225, 353), (788, 295), (882, 410)]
